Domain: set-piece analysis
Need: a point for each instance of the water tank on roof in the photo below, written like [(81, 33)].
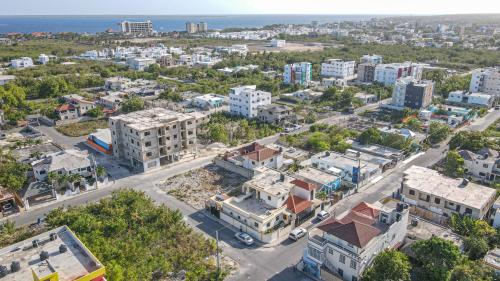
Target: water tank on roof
[(35, 243), (44, 255), (63, 248), (53, 236), (15, 266), (3, 271)]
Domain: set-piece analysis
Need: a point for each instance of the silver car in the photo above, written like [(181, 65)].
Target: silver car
[(244, 238)]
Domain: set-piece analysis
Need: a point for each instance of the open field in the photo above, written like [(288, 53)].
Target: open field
[(82, 128)]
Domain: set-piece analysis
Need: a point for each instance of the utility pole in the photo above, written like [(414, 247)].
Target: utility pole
[(95, 170), (359, 171), (217, 252)]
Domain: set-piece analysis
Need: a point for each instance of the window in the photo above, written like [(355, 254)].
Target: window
[(148, 144), (277, 218), (468, 211), (485, 165), (147, 133), (174, 126), (175, 136), (412, 192), (256, 224), (269, 198), (353, 264), (342, 259), (149, 154), (340, 272), (437, 200), (330, 250), (354, 278), (268, 224)]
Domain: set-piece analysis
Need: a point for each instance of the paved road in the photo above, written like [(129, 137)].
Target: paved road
[(257, 262)]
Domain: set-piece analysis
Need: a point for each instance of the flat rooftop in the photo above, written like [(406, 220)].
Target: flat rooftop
[(151, 118), (492, 259), (270, 181), (425, 230), (344, 162), (251, 205), (316, 175), (431, 182), (377, 149), (76, 262)]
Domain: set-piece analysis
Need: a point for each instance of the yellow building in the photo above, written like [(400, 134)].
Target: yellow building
[(56, 255)]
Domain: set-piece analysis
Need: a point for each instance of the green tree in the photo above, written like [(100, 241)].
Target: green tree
[(370, 135), (13, 174), (475, 247), (438, 132), (318, 141), (454, 165), (472, 271), (132, 104), (218, 133), (414, 124), (436, 257), (95, 112), (390, 265), (468, 140)]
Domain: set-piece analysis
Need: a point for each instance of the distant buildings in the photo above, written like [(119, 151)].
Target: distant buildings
[(23, 62), (486, 81), (137, 28), (298, 73), (278, 115), (192, 27), (371, 59), (409, 93), (43, 59), (341, 248), (55, 255), (140, 63), (434, 193), (151, 138), (277, 43), (387, 74), (245, 100), (338, 68)]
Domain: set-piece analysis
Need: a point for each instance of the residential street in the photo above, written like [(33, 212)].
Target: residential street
[(256, 262)]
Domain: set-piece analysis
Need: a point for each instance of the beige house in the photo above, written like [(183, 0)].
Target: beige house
[(431, 191), (154, 137)]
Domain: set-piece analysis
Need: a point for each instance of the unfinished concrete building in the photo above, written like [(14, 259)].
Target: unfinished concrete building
[(152, 138)]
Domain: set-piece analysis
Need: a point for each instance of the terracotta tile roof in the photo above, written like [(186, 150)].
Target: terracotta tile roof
[(65, 107), (258, 152), (305, 185), (296, 204), (358, 227)]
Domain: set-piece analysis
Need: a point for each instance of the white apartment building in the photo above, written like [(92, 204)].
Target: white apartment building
[(66, 162), (486, 81), (387, 74), (22, 62), (43, 59), (472, 99), (338, 68), (342, 248), (151, 138), (437, 194), (298, 73), (140, 63), (245, 100), (371, 59), (483, 165), (277, 43), (137, 28)]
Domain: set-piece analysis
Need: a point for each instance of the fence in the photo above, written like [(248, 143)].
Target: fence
[(247, 173)]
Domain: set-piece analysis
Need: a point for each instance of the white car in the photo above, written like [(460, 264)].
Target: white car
[(297, 233), (244, 238), (322, 215)]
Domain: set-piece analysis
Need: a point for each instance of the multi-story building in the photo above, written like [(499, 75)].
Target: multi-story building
[(470, 99), (208, 101), (298, 73), (338, 68), (366, 72), (430, 191), (137, 28), (140, 63), (192, 27), (245, 100), (342, 248), (22, 62), (277, 43), (255, 156), (202, 27), (486, 81), (388, 74), (483, 165), (151, 138), (371, 59), (409, 93), (276, 114), (43, 59), (55, 255)]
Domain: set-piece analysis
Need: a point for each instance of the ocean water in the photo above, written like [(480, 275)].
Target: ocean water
[(94, 24)]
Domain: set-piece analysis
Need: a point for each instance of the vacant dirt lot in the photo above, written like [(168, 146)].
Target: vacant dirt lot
[(195, 187)]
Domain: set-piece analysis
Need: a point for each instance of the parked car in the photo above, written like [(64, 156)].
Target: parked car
[(244, 238), (7, 206), (322, 215), (297, 233)]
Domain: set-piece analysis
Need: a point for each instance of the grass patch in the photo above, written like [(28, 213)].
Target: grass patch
[(82, 128)]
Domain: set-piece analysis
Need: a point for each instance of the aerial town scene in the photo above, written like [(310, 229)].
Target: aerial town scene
[(249, 140)]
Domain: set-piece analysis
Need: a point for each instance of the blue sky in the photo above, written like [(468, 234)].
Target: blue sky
[(201, 7)]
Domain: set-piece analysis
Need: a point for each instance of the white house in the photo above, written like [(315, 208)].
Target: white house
[(342, 248), (43, 59), (140, 63), (482, 165), (22, 62), (208, 101), (338, 68), (245, 100), (255, 156), (472, 99), (277, 43), (387, 74), (486, 81)]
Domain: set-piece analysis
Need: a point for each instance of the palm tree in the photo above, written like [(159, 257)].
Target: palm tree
[(100, 171)]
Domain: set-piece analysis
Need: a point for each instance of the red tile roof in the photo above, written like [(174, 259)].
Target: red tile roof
[(258, 152), (296, 204), (65, 107), (358, 227), (305, 185)]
